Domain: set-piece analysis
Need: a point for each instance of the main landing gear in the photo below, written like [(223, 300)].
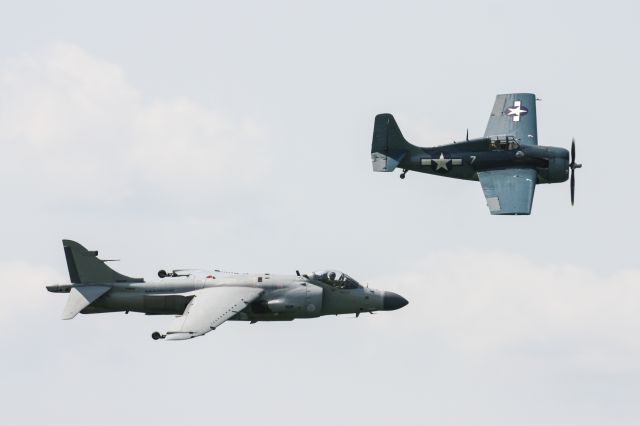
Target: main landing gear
[(404, 173)]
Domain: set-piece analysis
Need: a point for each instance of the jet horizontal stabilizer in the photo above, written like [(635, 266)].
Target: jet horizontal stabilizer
[(59, 288), (81, 297)]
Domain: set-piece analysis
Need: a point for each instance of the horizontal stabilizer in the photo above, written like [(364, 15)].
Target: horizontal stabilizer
[(80, 298)]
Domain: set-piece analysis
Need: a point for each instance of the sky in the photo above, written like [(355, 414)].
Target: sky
[(236, 135)]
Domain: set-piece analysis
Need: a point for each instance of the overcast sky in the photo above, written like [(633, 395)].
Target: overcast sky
[(237, 135)]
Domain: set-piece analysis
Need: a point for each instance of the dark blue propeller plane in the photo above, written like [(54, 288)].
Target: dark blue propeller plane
[(507, 161)]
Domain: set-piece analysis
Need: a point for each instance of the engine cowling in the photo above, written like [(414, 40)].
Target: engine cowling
[(558, 170)]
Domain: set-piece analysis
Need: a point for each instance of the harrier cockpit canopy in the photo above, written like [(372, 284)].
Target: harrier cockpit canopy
[(336, 279)]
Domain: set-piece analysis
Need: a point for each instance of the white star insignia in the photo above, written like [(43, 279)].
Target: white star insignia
[(441, 163), (517, 110)]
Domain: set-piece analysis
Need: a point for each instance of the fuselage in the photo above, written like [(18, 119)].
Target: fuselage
[(284, 297), (463, 160)]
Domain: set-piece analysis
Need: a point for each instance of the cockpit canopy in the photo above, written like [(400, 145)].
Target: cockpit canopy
[(336, 279), (504, 143)]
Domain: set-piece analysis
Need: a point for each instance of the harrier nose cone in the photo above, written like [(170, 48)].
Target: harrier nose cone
[(392, 301)]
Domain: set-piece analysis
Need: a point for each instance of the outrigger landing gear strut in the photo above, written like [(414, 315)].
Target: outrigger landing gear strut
[(155, 335)]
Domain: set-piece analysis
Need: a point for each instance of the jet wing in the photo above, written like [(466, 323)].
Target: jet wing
[(209, 308), (508, 191)]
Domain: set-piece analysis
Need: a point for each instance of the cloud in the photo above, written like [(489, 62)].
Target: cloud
[(498, 304), (490, 331), (25, 295), (73, 127)]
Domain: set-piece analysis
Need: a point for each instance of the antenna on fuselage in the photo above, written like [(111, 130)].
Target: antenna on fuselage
[(467, 134), (297, 272)]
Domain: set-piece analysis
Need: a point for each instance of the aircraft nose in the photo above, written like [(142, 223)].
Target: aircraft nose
[(392, 301)]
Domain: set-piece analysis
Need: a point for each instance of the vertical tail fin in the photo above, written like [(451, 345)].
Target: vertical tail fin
[(85, 267), (388, 147)]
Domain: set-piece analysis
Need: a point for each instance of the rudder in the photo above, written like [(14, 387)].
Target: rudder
[(388, 147)]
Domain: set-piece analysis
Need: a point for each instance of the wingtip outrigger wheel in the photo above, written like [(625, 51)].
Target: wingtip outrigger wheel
[(573, 166), (155, 335), (403, 174)]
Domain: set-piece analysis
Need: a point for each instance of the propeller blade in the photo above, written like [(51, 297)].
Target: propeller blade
[(573, 166), (573, 187)]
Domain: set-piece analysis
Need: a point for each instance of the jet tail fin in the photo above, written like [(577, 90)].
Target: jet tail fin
[(81, 297), (388, 147), (85, 267)]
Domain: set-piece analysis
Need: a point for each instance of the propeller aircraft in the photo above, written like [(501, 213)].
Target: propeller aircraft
[(507, 160), (202, 301)]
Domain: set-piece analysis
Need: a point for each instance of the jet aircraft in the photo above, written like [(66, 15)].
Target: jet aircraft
[(202, 301), (507, 160)]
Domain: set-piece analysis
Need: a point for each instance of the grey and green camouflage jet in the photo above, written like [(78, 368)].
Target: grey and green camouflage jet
[(507, 161), (201, 301)]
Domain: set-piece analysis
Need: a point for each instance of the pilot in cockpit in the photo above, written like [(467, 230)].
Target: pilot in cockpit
[(504, 143), (336, 280)]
